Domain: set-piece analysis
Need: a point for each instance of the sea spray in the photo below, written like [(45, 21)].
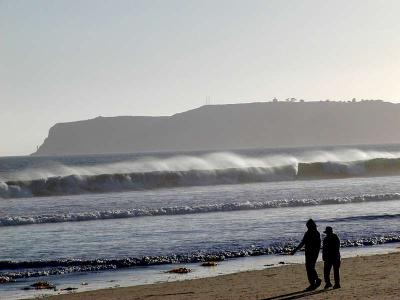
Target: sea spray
[(118, 182)]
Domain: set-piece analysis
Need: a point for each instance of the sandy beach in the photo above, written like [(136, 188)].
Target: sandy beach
[(363, 277)]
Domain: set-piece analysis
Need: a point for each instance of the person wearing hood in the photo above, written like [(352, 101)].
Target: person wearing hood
[(312, 243), (331, 257)]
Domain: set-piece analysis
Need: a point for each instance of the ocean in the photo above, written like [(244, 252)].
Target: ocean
[(65, 217)]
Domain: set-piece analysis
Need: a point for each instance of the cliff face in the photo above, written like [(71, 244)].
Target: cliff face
[(233, 126)]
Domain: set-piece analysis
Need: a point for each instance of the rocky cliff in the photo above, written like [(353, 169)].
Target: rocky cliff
[(212, 127)]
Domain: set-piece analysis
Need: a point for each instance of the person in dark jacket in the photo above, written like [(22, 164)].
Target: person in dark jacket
[(312, 243), (331, 257)]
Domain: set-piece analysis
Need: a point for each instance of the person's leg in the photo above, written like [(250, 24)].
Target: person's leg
[(316, 279), (327, 273), (336, 273), (311, 272)]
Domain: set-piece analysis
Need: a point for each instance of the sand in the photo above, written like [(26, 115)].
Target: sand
[(363, 277)]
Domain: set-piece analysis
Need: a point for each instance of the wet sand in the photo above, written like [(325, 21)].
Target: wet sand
[(363, 277)]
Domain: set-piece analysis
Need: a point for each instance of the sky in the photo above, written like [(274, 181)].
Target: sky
[(63, 60)]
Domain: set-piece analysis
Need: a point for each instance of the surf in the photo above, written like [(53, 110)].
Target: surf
[(185, 210), (219, 168)]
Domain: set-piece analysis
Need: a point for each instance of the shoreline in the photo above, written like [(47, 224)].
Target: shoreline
[(370, 276)]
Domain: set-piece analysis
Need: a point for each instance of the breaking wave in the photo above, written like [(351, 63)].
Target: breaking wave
[(184, 171), (14, 270), (74, 184), (182, 210)]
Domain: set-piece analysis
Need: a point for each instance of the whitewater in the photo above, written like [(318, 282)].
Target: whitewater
[(55, 178), (64, 216)]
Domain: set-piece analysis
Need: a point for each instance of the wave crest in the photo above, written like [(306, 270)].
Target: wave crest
[(214, 169), (25, 269), (182, 210)]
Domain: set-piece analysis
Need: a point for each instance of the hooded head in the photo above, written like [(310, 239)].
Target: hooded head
[(328, 230), (311, 225)]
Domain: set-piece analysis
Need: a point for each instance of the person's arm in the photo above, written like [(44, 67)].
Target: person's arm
[(337, 244), (300, 245)]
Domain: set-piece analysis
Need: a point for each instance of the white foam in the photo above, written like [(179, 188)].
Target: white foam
[(179, 210)]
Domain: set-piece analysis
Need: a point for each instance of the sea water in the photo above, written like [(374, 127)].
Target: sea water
[(65, 217)]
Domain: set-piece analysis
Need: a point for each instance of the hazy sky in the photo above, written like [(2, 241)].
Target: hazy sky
[(70, 60)]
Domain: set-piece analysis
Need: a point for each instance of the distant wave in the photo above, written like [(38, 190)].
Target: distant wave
[(74, 184), (332, 169), (102, 183), (364, 218), (12, 270), (182, 210)]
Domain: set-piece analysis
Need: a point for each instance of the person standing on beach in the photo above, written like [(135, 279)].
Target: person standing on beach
[(312, 243), (331, 257)]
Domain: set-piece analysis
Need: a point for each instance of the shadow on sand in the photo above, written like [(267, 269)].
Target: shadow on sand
[(295, 295)]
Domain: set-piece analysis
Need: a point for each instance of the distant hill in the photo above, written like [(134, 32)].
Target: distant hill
[(233, 126)]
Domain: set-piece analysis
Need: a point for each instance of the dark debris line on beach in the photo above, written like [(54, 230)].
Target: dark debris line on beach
[(11, 270)]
